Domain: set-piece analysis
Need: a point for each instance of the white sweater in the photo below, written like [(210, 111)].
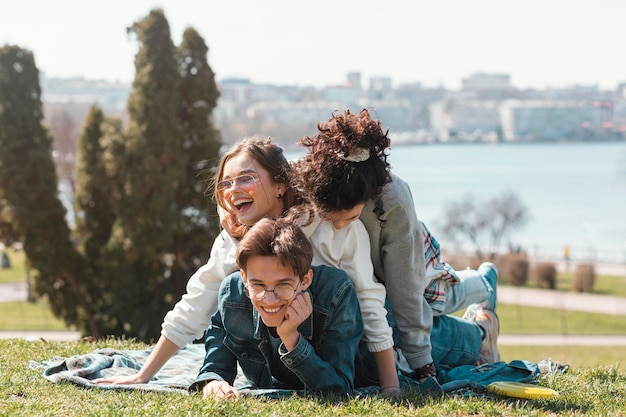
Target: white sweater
[(349, 249), (191, 316)]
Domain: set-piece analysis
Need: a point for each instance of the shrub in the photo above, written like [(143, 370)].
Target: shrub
[(515, 269), (584, 277), (545, 275)]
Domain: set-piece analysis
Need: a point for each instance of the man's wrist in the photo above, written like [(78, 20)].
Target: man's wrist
[(290, 342)]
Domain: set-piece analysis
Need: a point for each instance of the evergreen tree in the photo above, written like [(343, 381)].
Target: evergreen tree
[(201, 143), (143, 223), (7, 229), (154, 160), (29, 185), (163, 224), (94, 214), (149, 169)]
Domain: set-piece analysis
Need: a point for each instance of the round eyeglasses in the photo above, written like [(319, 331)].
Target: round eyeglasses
[(282, 291), (245, 182)]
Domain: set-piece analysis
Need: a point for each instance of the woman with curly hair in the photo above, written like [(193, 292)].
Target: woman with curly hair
[(345, 174)]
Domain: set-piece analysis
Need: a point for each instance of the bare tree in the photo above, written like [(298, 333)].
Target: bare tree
[(486, 223)]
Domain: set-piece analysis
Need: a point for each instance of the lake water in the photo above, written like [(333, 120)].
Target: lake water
[(575, 193)]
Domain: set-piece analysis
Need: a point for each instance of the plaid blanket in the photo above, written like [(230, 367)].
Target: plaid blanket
[(176, 375)]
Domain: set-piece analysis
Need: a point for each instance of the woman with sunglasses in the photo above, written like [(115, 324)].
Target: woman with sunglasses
[(251, 183)]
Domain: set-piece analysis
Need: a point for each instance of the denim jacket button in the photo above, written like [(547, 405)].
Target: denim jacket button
[(244, 355), (289, 361)]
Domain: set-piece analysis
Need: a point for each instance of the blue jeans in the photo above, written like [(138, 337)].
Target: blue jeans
[(473, 289), (455, 341)]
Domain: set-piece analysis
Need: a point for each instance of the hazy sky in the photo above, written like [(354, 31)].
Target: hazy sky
[(539, 43)]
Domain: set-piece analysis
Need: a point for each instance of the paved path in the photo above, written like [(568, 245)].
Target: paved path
[(506, 295), (563, 300), (13, 291)]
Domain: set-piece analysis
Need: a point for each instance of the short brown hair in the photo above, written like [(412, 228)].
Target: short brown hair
[(279, 238)]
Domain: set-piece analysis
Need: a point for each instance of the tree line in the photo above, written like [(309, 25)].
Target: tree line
[(143, 221)]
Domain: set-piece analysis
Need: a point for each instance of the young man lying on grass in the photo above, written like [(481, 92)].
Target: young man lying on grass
[(287, 324)]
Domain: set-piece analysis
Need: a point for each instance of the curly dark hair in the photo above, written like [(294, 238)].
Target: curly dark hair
[(346, 163)]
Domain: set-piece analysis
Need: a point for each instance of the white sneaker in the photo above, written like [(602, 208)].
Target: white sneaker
[(489, 322)]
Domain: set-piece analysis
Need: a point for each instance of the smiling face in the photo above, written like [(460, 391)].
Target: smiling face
[(251, 202), (342, 218), (267, 272)]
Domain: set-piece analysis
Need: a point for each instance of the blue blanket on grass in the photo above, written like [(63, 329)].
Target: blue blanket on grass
[(176, 375), (181, 370)]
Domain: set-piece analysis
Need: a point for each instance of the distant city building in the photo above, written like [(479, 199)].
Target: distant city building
[(112, 97), (482, 81), (380, 88), (354, 80), (342, 93), (465, 120), (488, 107), (549, 120), (235, 90)]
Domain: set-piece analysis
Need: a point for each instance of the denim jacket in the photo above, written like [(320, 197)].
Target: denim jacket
[(324, 358)]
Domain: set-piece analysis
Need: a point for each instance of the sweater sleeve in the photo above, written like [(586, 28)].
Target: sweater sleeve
[(191, 316), (400, 266)]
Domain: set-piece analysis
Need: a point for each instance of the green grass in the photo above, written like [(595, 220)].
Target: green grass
[(515, 319), (604, 284), (578, 357), (597, 391), (595, 384), (17, 272), (29, 316)]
